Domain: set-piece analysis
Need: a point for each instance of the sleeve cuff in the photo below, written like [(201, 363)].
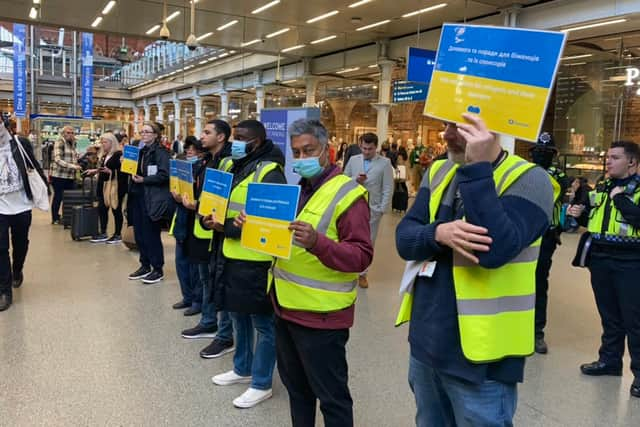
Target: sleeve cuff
[(430, 236)]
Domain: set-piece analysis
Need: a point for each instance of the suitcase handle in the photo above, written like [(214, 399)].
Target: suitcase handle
[(92, 187)]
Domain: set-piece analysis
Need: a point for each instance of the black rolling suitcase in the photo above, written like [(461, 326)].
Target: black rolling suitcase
[(83, 196), (400, 200), (84, 222)]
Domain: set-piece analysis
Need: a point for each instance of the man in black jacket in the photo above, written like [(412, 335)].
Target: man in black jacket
[(241, 274), (213, 323), (16, 202)]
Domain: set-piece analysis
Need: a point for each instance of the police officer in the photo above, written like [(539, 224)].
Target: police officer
[(613, 214), (543, 154)]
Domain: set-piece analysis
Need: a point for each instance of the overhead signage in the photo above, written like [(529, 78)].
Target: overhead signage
[(87, 76), (19, 70), (270, 210), (503, 74), (216, 190), (409, 91), (277, 121), (420, 63)]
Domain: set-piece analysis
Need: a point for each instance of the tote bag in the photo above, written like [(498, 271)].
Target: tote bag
[(110, 192), (36, 184)]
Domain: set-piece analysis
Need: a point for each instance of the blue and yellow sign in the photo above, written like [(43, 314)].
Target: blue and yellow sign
[(185, 179), (215, 193), (503, 74), (270, 209), (130, 156), (174, 183)]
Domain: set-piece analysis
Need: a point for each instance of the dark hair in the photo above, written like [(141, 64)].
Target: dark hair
[(221, 127), (631, 149), (255, 128), (369, 138), (192, 141), (394, 145)]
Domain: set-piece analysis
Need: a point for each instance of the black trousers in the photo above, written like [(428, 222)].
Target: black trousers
[(547, 248), (103, 214), (617, 292), (313, 366), (59, 185), (147, 233), (14, 231)]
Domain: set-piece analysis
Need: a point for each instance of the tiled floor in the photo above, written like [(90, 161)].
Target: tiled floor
[(83, 346)]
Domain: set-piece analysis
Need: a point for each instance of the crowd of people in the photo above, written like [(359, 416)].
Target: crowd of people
[(478, 241)]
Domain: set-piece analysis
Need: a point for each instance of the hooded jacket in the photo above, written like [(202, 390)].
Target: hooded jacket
[(241, 286)]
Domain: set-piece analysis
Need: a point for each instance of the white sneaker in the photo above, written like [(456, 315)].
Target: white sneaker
[(251, 398), (229, 378)]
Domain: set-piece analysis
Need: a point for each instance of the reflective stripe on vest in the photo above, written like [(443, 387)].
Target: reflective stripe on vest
[(554, 175), (618, 225), (303, 283), (231, 248), (495, 306)]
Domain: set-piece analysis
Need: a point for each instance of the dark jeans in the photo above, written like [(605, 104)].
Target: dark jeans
[(313, 366), (444, 400), (210, 316), (59, 185), (547, 248), (147, 234), (14, 229), (617, 292), (189, 277), (103, 214)]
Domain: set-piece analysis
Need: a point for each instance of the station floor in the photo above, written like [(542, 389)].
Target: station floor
[(84, 346)]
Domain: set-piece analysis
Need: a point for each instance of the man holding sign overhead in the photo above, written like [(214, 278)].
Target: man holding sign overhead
[(314, 291)]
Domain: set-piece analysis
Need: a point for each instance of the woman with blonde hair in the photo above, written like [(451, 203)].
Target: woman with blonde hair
[(111, 188)]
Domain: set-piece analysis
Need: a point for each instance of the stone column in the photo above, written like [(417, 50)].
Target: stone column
[(259, 100), (136, 119), (342, 110), (160, 109), (147, 110), (176, 117), (312, 86), (224, 106), (384, 98), (197, 99)]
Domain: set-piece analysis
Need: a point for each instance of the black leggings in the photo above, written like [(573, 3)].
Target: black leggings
[(103, 214)]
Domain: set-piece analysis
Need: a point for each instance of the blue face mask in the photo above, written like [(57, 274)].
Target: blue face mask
[(308, 167), (192, 159), (238, 149)]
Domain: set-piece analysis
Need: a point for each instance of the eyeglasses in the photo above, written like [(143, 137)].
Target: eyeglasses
[(146, 131)]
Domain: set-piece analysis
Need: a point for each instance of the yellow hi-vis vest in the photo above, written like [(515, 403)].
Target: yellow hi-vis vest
[(231, 248), (616, 225), (303, 282), (495, 306), (198, 230), (555, 175)]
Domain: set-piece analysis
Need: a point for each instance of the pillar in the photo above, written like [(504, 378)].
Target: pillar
[(197, 99), (342, 109), (177, 127), (136, 119), (160, 109), (147, 110), (311, 83), (384, 98), (259, 100), (224, 106)]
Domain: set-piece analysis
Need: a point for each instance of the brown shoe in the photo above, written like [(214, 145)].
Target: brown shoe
[(363, 282)]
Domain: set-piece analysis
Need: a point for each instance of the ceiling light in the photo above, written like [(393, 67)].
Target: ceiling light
[(153, 29), (204, 36), (277, 33), (232, 52), (173, 16), (289, 49), (359, 3), (586, 55), (222, 55), (107, 8), (425, 10), (321, 17), (265, 7), (36, 1), (575, 63), (96, 22), (227, 25), (373, 66), (33, 13), (347, 70), (324, 39), (254, 41), (366, 27), (290, 81), (203, 62), (597, 24)]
